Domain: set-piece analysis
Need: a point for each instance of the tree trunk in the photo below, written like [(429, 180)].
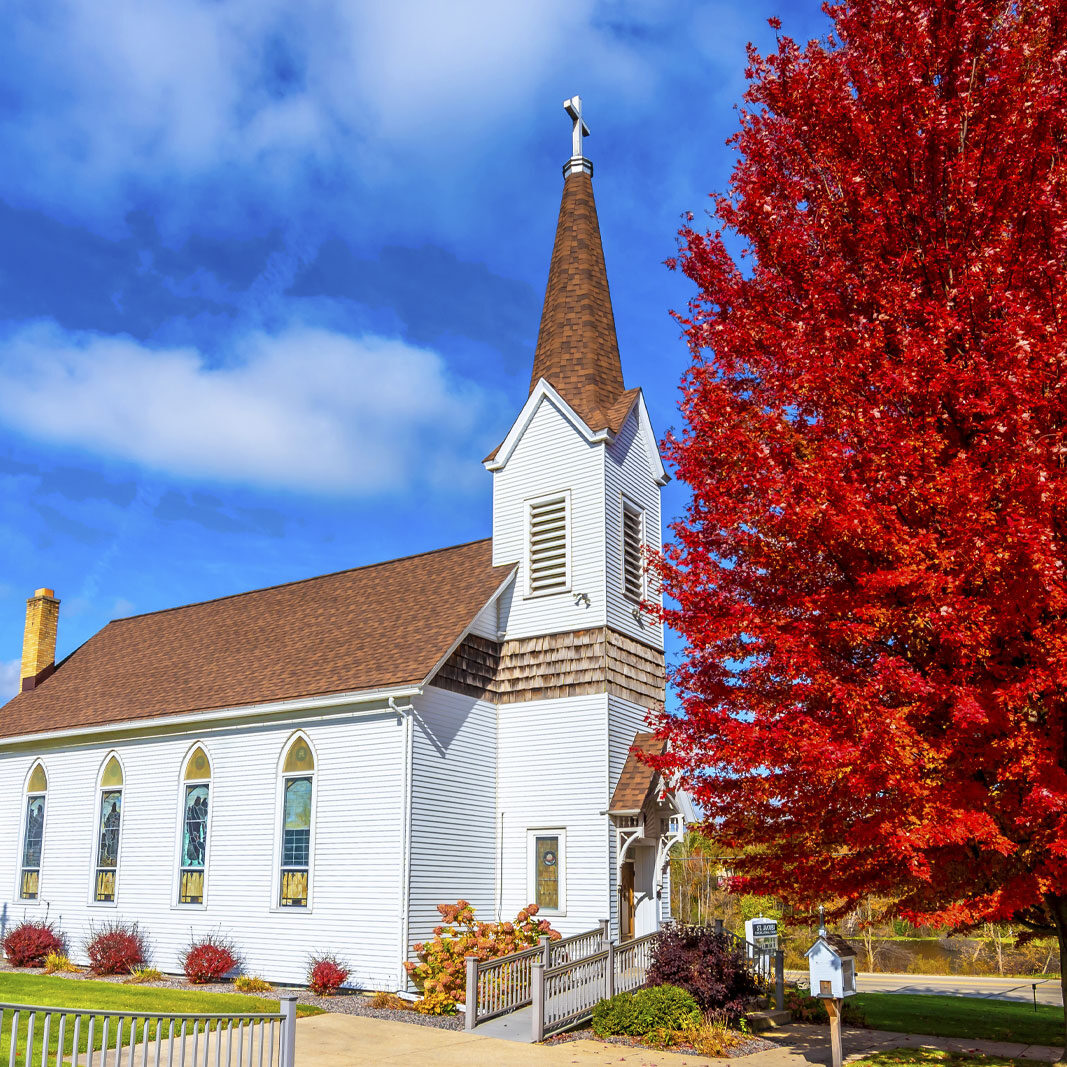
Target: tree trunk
[(1058, 906)]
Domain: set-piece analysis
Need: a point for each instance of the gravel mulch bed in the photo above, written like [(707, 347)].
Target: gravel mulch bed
[(350, 1003), (585, 1033)]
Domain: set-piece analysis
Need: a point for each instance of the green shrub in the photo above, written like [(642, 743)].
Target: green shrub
[(653, 1011)]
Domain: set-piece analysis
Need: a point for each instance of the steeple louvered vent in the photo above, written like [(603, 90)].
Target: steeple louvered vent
[(633, 581), (548, 567)]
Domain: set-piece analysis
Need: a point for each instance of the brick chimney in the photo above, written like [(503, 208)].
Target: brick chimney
[(39, 640)]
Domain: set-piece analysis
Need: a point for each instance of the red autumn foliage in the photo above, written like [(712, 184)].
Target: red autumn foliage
[(870, 578), (117, 948), (28, 943), (209, 959), (326, 974)]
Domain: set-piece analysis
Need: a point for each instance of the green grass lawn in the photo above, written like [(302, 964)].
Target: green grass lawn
[(947, 1016), (935, 1057), (47, 991)]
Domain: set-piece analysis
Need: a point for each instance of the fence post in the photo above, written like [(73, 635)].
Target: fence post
[(605, 931), (779, 979), (470, 1007), (537, 995), (546, 952), (718, 927), (609, 982), (287, 1004)]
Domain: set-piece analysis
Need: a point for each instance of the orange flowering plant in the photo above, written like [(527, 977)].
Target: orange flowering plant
[(440, 973)]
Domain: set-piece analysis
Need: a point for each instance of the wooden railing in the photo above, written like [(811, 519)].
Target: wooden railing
[(82, 1037), (496, 987), (631, 962)]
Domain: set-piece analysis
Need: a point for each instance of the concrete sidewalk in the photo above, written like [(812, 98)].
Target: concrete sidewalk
[(353, 1041)]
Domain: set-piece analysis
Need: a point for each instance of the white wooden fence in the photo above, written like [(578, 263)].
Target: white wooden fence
[(496, 987), (566, 994), (81, 1037)]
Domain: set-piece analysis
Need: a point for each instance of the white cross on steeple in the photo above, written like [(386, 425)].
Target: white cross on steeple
[(577, 162)]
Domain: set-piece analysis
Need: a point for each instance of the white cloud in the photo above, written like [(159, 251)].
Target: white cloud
[(182, 90), (305, 408), (10, 672)]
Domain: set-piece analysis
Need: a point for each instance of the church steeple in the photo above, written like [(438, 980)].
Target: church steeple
[(577, 349)]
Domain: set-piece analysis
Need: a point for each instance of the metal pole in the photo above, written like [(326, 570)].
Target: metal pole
[(537, 993), (470, 1014), (287, 1002), (779, 979)]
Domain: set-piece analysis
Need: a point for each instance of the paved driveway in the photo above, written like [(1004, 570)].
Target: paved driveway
[(1048, 989)]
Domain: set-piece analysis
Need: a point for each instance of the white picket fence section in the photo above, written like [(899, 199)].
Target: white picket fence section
[(82, 1037), (497, 987)]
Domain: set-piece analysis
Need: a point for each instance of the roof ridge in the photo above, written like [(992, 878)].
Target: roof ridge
[(296, 581)]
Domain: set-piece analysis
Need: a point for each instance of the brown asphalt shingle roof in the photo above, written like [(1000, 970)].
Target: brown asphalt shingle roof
[(577, 348), (388, 624), (637, 778)]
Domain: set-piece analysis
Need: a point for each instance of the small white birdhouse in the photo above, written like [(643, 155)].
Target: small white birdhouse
[(832, 967)]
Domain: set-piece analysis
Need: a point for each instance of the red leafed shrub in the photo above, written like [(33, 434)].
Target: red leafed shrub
[(326, 974), (27, 944), (117, 948), (208, 959), (705, 964)]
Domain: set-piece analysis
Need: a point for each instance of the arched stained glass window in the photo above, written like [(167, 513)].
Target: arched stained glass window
[(196, 797), (297, 776), (33, 835), (109, 830)]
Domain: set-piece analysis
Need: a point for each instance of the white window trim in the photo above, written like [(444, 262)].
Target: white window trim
[(275, 904), (624, 503), (175, 902), (94, 856), (528, 505), (26, 902), (561, 862)]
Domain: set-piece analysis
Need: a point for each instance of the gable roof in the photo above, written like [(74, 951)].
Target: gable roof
[(577, 348), (836, 943), (637, 779), (384, 625)]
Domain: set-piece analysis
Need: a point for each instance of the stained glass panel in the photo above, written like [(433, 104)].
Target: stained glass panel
[(296, 842), (112, 773), (31, 849), (38, 783), (110, 821), (198, 766), (299, 758), (547, 872), (294, 889), (194, 837), (30, 884), (191, 888)]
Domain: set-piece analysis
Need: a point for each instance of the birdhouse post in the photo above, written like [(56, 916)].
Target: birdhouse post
[(832, 977)]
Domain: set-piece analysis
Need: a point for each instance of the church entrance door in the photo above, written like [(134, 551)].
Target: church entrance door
[(626, 901)]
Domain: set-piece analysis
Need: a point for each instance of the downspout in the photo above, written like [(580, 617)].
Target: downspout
[(406, 715)]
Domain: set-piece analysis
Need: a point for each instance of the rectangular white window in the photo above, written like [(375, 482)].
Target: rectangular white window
[(548, 870), (547, 545), (633, 544)]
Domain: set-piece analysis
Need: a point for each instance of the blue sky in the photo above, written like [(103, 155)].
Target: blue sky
[(271, 273)]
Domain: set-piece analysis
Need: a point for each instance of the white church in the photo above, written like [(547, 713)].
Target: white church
[(317, 765)]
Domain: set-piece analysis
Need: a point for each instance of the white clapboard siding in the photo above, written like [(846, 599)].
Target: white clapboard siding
[(553, 774), (625, 720), (552, 458), (356, 876), (628, 474), (453, 814)]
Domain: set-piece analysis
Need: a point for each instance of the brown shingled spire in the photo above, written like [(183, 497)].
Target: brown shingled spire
[(577, 350)]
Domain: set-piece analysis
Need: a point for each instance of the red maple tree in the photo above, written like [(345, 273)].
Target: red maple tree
[(870, 575)]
